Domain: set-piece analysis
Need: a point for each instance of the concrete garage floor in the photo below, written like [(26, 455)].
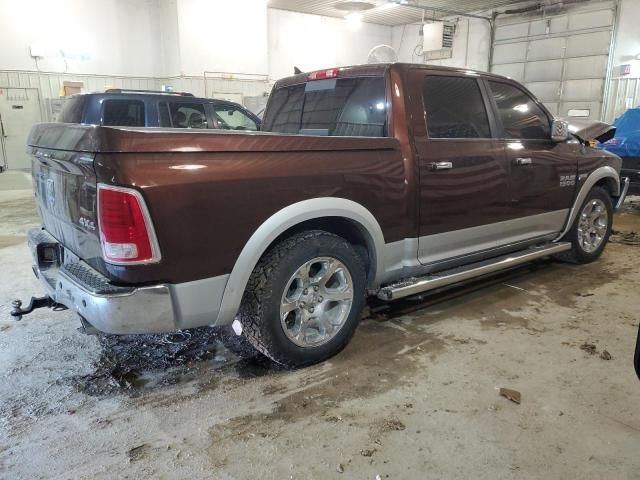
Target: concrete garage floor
[(413, 396)]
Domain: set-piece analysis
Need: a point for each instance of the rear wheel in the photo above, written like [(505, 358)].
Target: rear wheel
[(304, 299), (591, 228)]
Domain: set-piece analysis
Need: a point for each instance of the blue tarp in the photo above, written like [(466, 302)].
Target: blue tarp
[(626, 143)]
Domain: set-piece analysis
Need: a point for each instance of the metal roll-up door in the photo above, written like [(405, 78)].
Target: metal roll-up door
[(562, 55)]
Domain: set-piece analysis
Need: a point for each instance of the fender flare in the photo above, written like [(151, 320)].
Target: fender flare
[(283, 220), (593, 178)]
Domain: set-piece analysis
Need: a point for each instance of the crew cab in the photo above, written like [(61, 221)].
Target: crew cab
[(146, 108), (385, 180)]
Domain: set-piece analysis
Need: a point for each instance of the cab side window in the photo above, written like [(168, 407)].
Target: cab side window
[(188, 115), (521, 117), (454, 108), (229, 117)]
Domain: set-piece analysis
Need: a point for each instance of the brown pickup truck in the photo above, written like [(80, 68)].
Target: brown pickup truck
[(384, 180)]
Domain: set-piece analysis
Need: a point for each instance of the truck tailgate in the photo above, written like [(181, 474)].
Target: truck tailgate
[(64, 184)]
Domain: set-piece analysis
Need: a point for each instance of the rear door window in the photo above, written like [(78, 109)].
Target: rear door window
[(123, 113), (230, 117), (454, 108), (521, 117), (188, 115), (334, 107)]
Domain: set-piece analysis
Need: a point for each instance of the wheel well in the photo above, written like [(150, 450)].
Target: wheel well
[(348, 229), (609, 184)]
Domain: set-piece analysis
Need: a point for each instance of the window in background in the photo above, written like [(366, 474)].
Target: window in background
[(73, 110), (163, 113), (123, 113), (188, 115)]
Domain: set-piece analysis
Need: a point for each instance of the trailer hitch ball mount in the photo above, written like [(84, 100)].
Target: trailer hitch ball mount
[(36, 302)]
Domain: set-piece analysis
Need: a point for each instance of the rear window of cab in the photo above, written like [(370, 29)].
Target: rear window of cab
[(330, 107)]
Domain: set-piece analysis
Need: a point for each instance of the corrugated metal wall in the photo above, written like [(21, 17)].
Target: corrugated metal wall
[(49, 84), (623, 93)]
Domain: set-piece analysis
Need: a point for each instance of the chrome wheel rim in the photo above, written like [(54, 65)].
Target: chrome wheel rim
[(316, 302), (593, 225)]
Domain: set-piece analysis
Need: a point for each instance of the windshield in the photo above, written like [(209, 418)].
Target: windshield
[(334, 107), (229, 117)]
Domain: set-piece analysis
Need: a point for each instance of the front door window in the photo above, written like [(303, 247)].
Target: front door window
[(521, 117)]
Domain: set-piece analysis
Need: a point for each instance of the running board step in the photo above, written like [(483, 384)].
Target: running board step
[(417, 285)]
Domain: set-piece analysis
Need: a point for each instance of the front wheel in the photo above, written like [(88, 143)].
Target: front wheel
[(304, 299), (591, 228)]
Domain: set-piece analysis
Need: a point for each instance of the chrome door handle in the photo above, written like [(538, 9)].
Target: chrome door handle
[(440, 165), (523, 161)]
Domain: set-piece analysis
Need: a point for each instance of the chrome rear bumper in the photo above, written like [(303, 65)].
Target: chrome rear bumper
[(121, 310), (109, 308)]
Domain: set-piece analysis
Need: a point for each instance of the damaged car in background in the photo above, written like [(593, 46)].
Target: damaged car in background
[(626, 144), (386, 180)]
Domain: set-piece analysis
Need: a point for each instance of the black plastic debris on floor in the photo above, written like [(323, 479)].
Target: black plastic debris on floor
[(132, 363)]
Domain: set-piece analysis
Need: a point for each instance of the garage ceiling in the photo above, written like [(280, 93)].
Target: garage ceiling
[(383, 14)]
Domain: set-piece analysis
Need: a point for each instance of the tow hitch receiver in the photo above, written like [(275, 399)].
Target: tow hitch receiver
[(36, 302)]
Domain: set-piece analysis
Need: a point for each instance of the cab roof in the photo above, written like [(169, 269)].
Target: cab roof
[(379, 69)]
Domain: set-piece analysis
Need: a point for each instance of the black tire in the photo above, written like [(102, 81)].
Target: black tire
[(260, 309), (577, 254)]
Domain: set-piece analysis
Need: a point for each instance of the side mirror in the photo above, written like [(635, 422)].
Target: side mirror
[(560, 131)]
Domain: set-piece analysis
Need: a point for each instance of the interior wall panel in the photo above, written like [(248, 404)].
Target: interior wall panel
[(624, 93)]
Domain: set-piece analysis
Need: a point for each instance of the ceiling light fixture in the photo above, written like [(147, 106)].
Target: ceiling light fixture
[(353, 6)]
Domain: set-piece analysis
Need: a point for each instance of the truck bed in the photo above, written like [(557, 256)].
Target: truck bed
[(195, 182)]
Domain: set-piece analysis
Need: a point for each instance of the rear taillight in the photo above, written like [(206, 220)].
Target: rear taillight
[(126, 232)]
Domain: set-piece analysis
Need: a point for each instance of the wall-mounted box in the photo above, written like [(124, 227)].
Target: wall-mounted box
[(71, 88)]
